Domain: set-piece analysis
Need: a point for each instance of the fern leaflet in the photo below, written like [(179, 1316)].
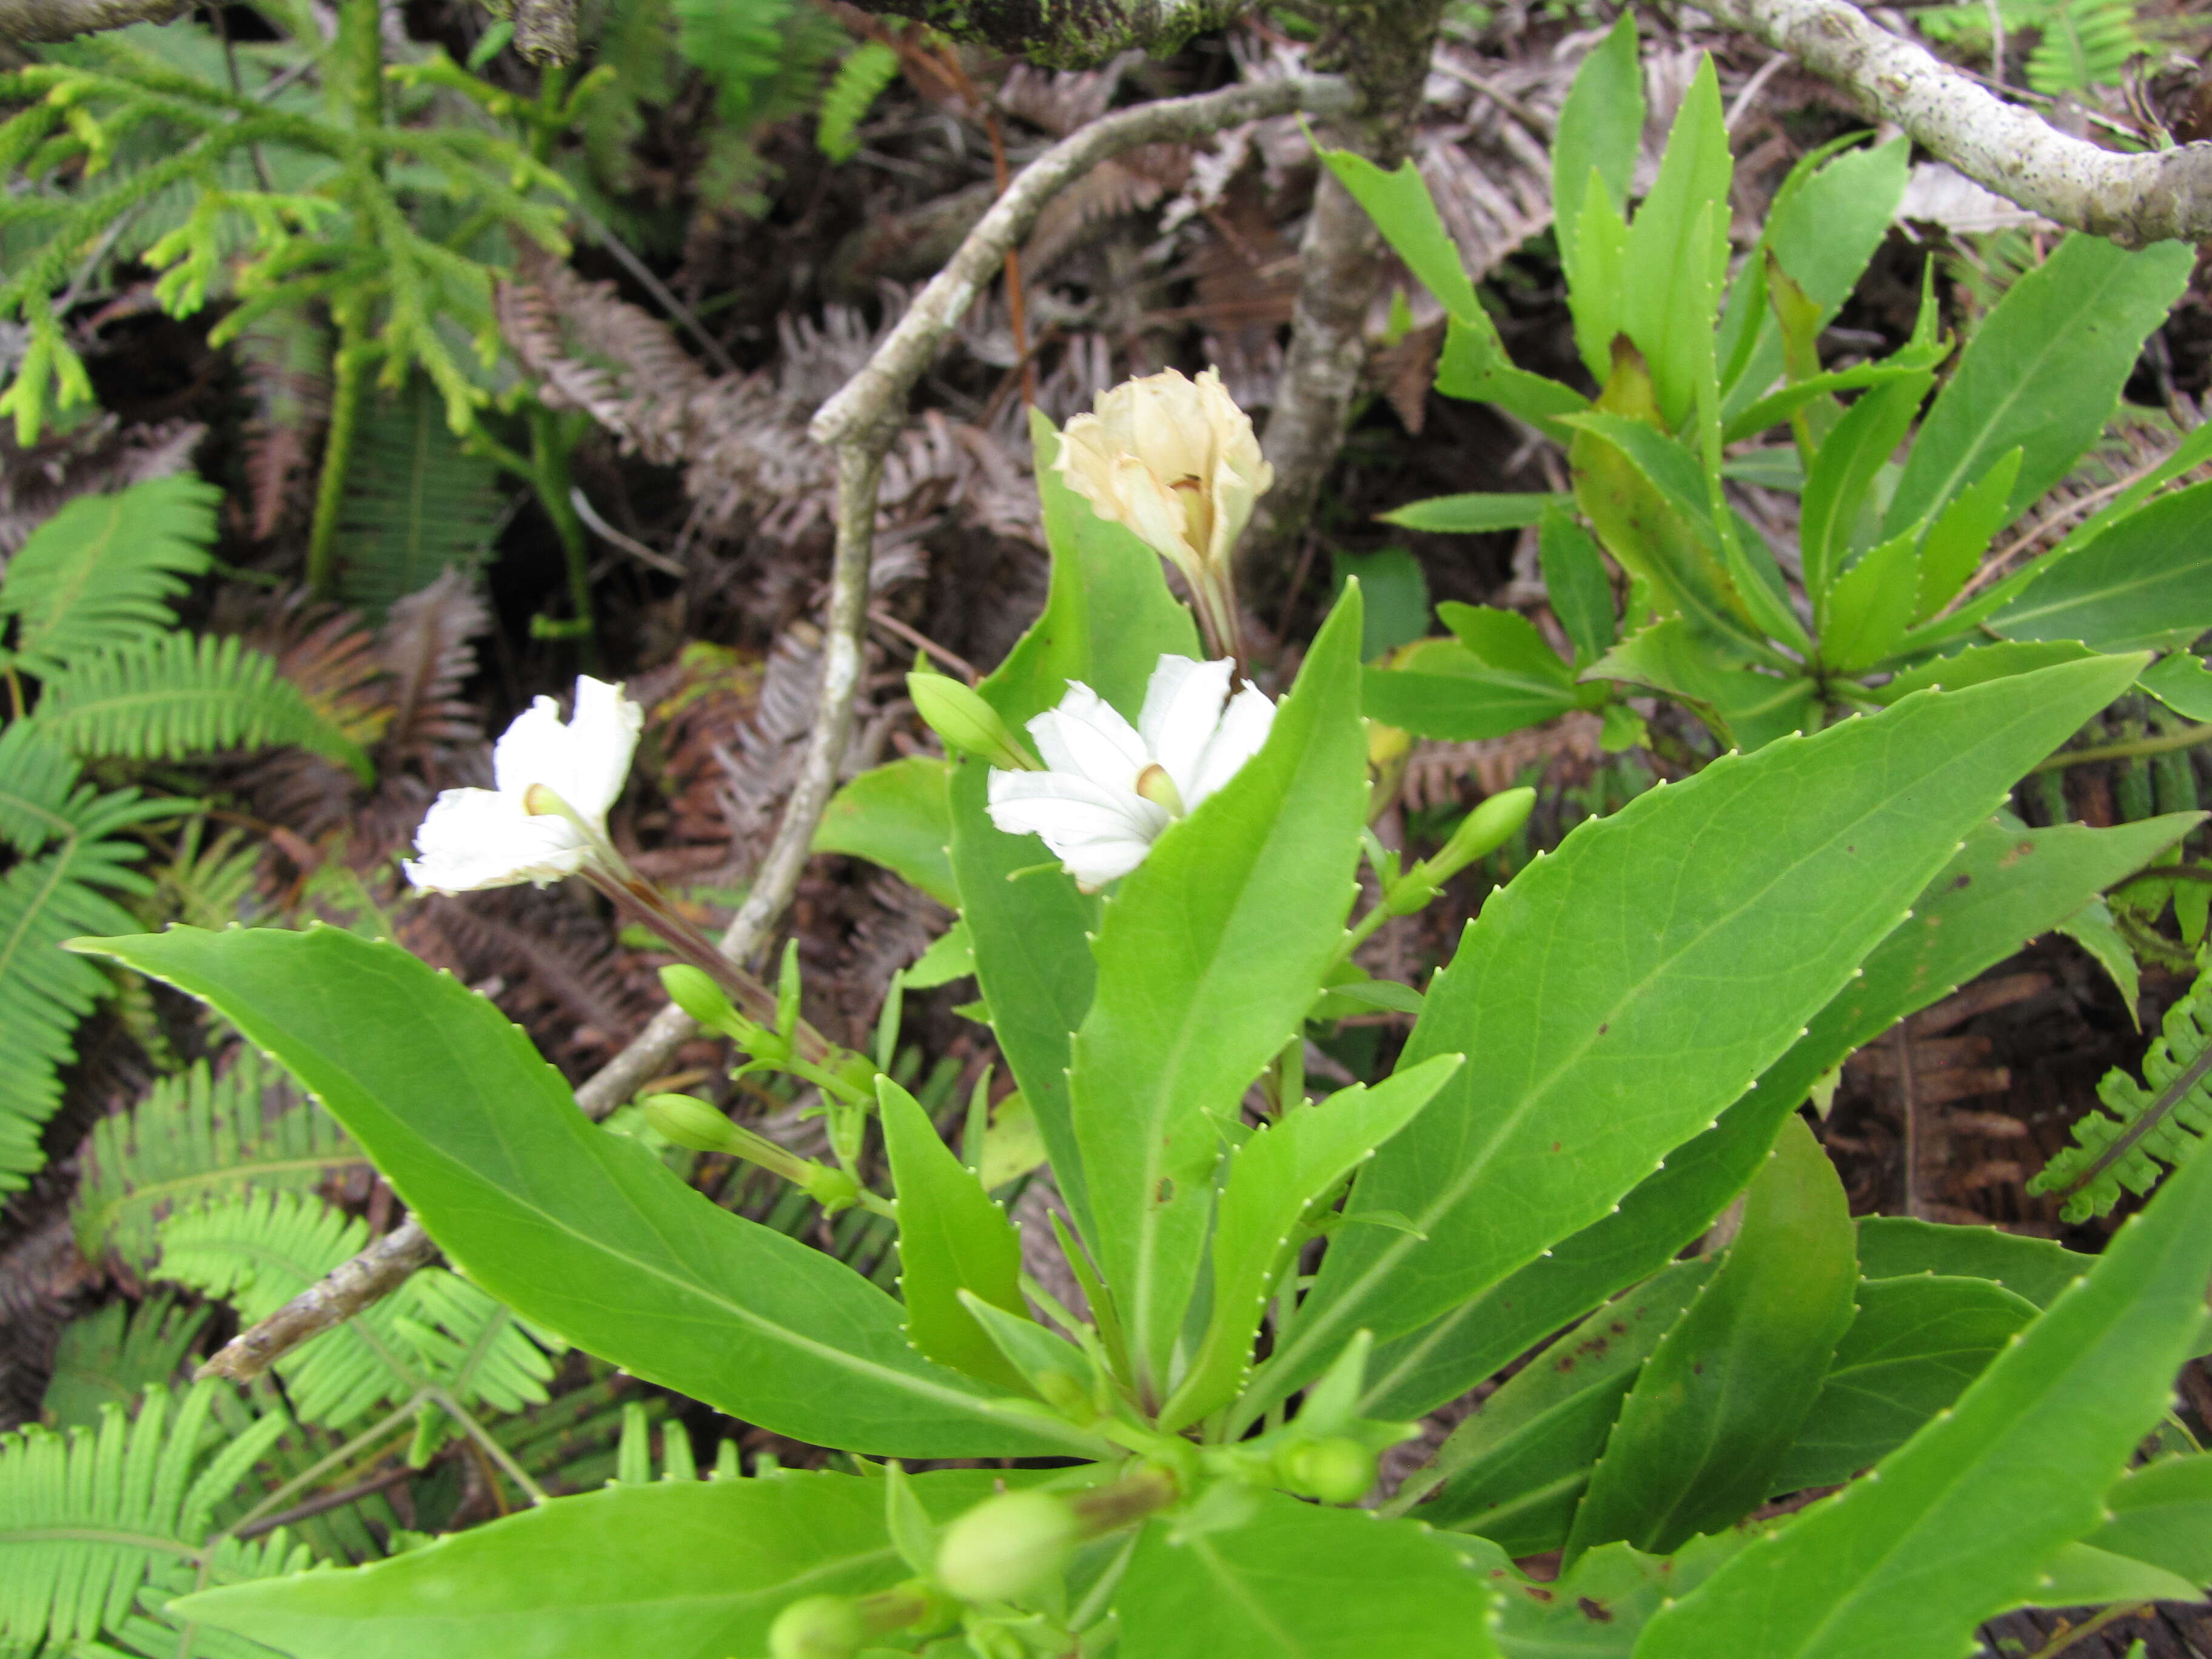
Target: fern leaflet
[(2084, 44), (738, 43), (2141, 1128), (860, 81), (197, 1138), (68, 861), (416, 504), (437, 1334), (101, 571), (177, 695), (87, 1517), (110, 1358)]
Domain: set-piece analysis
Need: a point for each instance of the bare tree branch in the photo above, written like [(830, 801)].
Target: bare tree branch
[(61, 20), (2133, 199), (860, 423), (1069, 34), (1383, 47)]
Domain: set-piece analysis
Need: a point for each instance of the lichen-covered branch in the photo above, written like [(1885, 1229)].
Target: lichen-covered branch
[(1383, 48), (859, 422), (2136, 200), (876, 395), (60, 20), (1067, 33)]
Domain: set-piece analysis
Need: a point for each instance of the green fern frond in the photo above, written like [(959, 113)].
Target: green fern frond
[(416, 505), (2142, 1127), (2084, 44), (860, 81), (101, 571), (110, 1356), (194, 1140), (178, 695), (87, 1517), (740, 45), (69, 862), (437, 1333), (156, 1635)]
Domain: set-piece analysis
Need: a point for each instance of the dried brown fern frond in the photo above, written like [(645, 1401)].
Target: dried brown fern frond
[(549, 965), (1061, 101), (593, 350), (427, 646), (1113, 190), (286, 356)]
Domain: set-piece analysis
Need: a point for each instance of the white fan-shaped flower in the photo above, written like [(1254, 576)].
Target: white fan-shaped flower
[(477, 838), (1109, 788)]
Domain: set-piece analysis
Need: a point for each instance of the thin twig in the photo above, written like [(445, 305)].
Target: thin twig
[(662, 295), (860, 423), (324, 1503), (915, 637), (1916, 1126), (608, 533)]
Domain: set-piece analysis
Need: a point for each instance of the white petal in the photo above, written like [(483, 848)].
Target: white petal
[(1244, 729), (1183, 707), (534, 749), (603, 736), (1096, 834), (1061, 806), (474, 838), (1086, 736)]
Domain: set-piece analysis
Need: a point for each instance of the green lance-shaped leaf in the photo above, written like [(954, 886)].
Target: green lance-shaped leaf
[(2161, 1513), (1955, 1525), (1108, 619), (1439, 689), (2004, 886), (1298, 1582), (1515, 1471), (1678, 249), (951, 1237), (1474, 514), (677, 1569), (1581, 592), (1962, 532), (1914, 1346), (1208, 958), (2044, 371), (2036, 1270), (1601, 129), (1715, 1408), (896, 815), (1272, 1179), (1623, 991), (1840, 477), (1474, 364), (1747, 708), (586, 1233), (1978, 663), (2145, 582), (1870, 606)]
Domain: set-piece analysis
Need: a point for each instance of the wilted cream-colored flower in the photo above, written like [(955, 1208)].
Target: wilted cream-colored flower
[(1175, 459)]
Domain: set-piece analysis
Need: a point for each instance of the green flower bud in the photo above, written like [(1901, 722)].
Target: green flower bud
[(1007, 1546), (1335, 1471), (1481, 833), (691, 1123), (694, 991), (832, 1189), (817, 1627), (966, 722)]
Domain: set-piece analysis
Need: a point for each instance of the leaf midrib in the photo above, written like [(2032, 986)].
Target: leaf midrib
[(1450, 1197)]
